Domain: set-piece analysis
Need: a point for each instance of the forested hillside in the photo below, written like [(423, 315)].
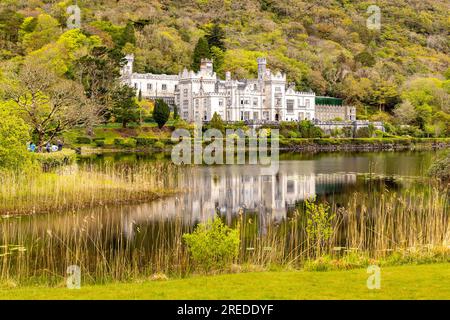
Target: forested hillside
[(397, 74)]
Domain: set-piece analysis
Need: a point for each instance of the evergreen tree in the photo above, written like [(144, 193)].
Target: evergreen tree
[(216, 36), (201, 51), (125, 108), (175, 113), (161, 112), (217, 122), (128, 35)]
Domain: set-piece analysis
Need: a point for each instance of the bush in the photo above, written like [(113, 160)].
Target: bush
[(441, 168), (213, 245), (159, 145), (145, 142), (84, 140), (363, 133), (128, 143), (119, 141), (99, 143)]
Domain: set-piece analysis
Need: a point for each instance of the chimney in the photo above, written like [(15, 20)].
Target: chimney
[(206, 65), (228, 76)]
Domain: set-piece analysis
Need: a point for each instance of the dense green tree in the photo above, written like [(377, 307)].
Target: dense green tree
[(37, 32), (216, 37), (125, 109), (14, 136), (201, 51), (176, 116), (217, 122), (161, 112), (98, 71), (128, 35), (48, 103)]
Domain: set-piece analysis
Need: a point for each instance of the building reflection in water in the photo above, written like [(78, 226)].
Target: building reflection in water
[(229, 189)]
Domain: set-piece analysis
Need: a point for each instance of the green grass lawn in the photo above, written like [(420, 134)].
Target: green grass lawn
[(403, 282)]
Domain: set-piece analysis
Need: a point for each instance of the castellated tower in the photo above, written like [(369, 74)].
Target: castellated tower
[(262, 63)]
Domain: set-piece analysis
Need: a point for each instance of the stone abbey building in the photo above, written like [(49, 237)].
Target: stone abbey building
[(198, 95)]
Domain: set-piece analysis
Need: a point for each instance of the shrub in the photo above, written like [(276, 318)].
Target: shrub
[(319, 226), (441, 168), (213, 245), (145, 142), (159, 145), (119, 141), (363, 132), (129, 143), (99, 143), (84, 140)]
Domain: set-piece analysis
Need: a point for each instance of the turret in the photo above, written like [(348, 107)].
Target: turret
[(262, 63)]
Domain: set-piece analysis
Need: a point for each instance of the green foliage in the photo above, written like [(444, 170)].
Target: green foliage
[(176, 116), (161, 112), (308, 130), (216, 37), (201, 51), (14, 137), (363, 132), (441, 168), (217, 122), (159, 145), (37, 32), (83, 140), (145, 142), (213, 246), (319, 224), (125, 108), (56, 159)]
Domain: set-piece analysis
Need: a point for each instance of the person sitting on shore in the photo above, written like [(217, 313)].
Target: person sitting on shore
[(48, 147), (32, 147), (60, 145), (54, 148)]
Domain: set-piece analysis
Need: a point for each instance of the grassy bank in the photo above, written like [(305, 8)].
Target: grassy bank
[(405, 282), (74, 188)]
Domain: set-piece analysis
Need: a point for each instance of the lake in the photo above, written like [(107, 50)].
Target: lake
[(147, 236)]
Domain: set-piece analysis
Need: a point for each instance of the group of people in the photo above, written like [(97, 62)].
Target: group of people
[(49, 147)]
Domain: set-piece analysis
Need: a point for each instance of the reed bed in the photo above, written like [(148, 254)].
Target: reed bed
[(77, 187), (382, 227)]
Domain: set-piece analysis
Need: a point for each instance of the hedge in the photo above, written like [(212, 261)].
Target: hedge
[(83, 140)]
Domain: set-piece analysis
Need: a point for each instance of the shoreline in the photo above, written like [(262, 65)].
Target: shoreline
[(309, 146)]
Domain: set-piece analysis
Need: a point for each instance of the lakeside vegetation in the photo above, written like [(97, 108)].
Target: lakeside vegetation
[(74, 188), (380, 227), (401, 282)]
